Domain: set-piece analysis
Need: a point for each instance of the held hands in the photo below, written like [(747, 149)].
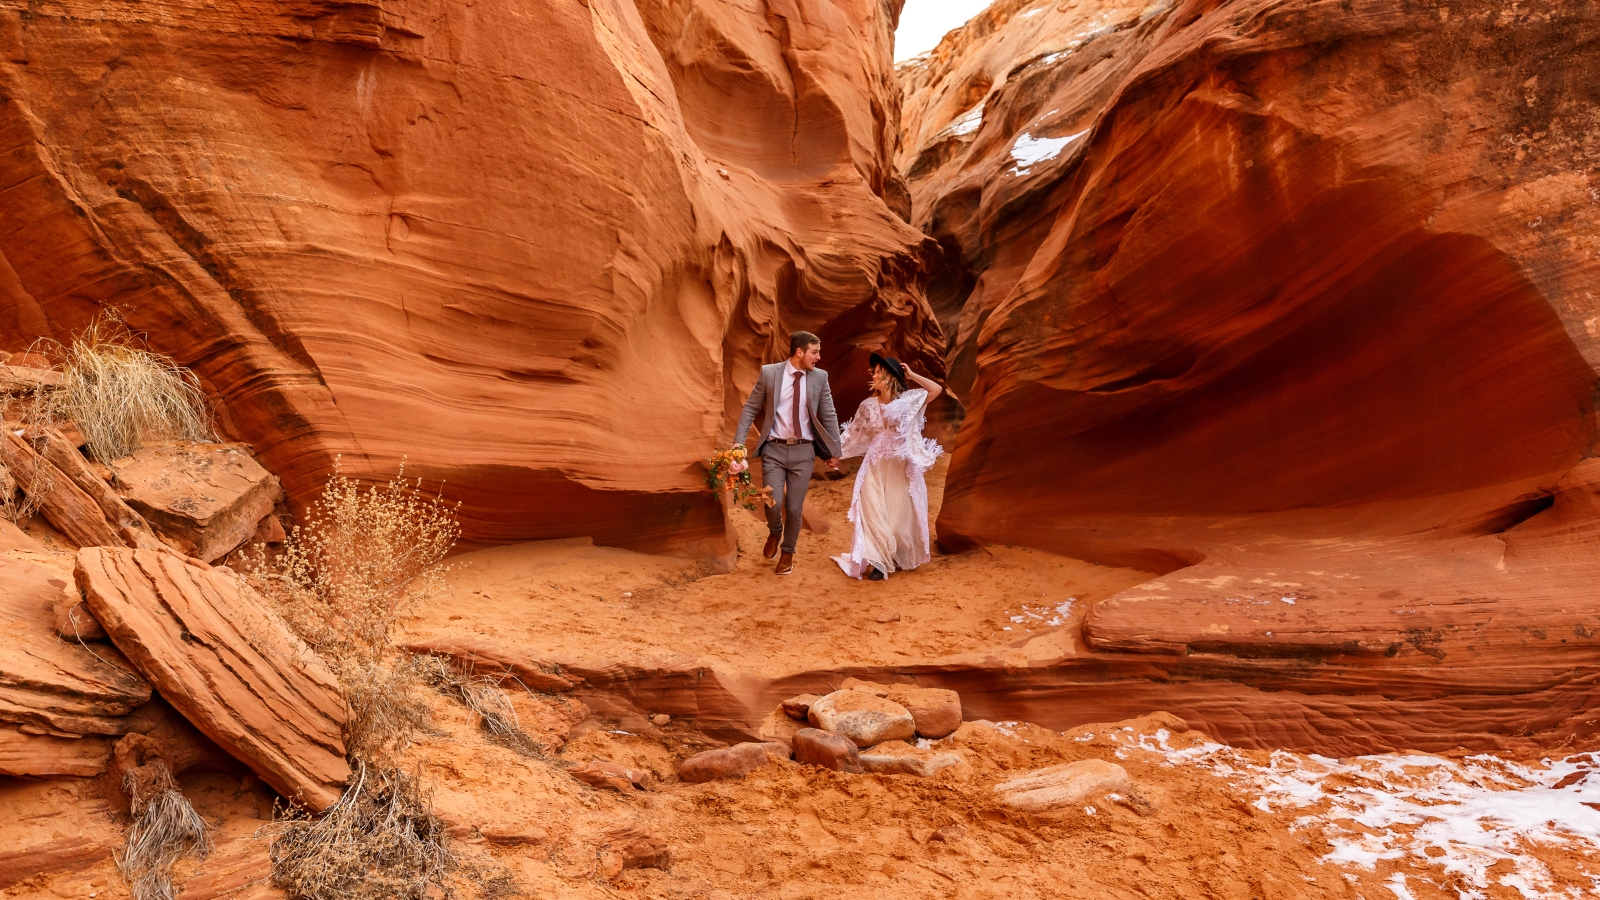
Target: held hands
[(834, 464)]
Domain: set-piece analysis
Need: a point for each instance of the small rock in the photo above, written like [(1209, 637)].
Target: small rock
[(26, 379), (75, 623), (270, 531), (885, 616), (660, 719), (864, 718), (900, 758), (949, 834), (729, 762), (866, 687), (603, 773), (522, 837), (828, 750), (631, 847), (1055, 787), (936, 711), (797, 707)]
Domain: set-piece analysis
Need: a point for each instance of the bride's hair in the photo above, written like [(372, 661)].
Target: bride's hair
[(895, 386)]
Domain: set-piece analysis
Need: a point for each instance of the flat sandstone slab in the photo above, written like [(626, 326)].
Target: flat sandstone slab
[(226, 663), (205, 499), (50, 684)]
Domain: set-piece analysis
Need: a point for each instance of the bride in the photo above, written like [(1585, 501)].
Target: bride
[(890, 505)]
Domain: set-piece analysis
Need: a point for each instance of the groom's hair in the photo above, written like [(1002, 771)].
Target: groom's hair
[(802, 339)]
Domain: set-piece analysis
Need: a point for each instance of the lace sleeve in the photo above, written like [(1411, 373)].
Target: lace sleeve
[(920, 451), (859, 431)]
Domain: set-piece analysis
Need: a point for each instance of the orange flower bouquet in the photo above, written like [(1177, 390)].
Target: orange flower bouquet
[(729, 470)]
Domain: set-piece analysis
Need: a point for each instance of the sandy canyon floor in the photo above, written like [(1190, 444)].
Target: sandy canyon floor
[(1202, 820)]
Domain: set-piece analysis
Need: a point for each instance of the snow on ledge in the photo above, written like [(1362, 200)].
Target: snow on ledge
[(1029, 151)]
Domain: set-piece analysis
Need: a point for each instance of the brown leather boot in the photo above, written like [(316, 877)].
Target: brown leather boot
[(785, 564), (774, 538)]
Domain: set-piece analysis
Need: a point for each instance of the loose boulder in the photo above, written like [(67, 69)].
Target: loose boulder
[(866, 687), (900, 758), (799, 707), (229, 665), (50, 685), (1055, 787), (862, 717), (729, 762), (828, 750), (631, 847), (936, 711), (203, 499), (605, 774)]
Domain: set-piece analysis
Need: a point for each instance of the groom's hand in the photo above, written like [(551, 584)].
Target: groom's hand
[(834, 464)]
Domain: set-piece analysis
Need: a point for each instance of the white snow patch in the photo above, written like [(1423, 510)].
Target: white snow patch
[(1029, 151), (967, 123), (1472, 813)]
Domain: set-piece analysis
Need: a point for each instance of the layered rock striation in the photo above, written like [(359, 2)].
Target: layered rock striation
[(537, 252)]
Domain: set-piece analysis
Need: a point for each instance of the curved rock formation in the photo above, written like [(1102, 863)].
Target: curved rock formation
[(1262, 259), (1296, 302), (537, 251)]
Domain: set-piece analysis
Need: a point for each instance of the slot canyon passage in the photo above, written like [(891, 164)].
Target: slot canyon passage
[(1266, 541)]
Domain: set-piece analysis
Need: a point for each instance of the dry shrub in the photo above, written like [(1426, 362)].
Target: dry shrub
[(121, 395), (365, 556), (380, 841), (165, 829), (484, 698)]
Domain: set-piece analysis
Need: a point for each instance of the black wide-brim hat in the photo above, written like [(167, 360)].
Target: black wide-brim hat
[(891, 365)]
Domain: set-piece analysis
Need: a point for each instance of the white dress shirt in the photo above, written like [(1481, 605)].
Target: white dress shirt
[(781, 426)]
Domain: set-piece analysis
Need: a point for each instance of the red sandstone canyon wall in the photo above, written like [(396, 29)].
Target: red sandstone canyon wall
[(1295, 303), (1327, 263), (536, 249)]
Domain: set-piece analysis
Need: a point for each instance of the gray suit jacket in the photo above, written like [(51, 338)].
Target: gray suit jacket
[(819, 405)]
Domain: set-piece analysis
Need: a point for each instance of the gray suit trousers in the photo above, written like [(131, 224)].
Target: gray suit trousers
[(786, 468)]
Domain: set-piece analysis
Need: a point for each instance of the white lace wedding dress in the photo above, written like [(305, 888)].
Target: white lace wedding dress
[(890, 505)]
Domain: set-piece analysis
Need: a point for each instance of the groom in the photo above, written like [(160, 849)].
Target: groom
[(800, 427)]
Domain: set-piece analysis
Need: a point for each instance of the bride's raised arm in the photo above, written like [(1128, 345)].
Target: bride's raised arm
[(927, 384)]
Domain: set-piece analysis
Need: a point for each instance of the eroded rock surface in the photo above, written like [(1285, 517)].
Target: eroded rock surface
[(539, 252), (225, 662)]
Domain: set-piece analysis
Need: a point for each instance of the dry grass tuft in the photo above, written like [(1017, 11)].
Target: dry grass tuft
[(121, 395), (165, 829), (365, 556), (483, 696), (380, 841)]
